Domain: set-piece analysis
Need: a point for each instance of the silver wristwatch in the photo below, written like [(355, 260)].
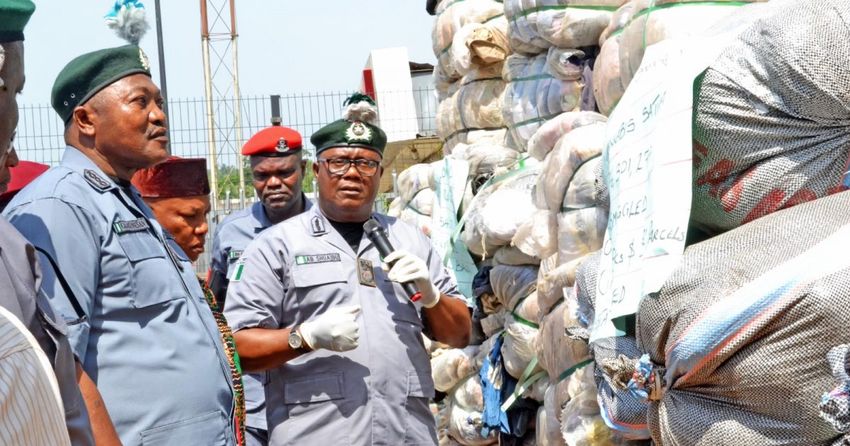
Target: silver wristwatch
[(296, 342)]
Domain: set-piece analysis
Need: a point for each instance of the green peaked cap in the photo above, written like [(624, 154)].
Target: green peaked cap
[(344, 133), (86, 75), (14, 15)]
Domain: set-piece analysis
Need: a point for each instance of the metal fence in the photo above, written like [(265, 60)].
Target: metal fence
[(40, 134)]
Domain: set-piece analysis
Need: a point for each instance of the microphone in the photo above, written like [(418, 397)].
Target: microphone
[(378, 236)]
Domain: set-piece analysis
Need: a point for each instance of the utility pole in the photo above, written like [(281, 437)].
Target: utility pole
[(163, 86)]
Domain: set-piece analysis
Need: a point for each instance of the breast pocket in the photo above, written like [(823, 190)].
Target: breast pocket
[(319, 286), (314, 411), (209, 429), (149, 269)]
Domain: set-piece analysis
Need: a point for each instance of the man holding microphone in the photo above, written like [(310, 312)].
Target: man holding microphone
[(310, 301)]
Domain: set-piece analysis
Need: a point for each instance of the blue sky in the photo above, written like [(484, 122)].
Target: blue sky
[(284, 46)]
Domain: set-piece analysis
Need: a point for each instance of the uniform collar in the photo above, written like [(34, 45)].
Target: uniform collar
[(75, 160), (261, 220), (317, 225)]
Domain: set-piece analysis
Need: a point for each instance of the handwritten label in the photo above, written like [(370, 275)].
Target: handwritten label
[(449, 184), (647, 167)]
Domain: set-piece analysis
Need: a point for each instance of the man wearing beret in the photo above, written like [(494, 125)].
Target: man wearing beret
[(135, 311), (277, 169), (177, 192), (310, 302), (21, 284)]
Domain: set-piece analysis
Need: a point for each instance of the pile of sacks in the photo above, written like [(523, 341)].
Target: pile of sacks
[(470, 43), (743, 343), (554, 44)]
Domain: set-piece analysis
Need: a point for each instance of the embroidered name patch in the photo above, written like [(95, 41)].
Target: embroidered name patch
[(139, 224), (234, 254), (317, 258)]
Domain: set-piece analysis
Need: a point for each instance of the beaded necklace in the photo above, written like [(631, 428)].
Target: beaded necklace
[(233, 361)]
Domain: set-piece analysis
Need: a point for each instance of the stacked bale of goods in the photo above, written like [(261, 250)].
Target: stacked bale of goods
[(470, 42), (554, 44), (416, 197), (608, 86)]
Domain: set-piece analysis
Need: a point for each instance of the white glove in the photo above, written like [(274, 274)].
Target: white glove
[(336, 329), (409, 268)]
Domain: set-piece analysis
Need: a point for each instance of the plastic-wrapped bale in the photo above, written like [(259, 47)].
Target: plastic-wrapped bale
[(608, 86), (512, 284), (453, 16), (511, 255), (771, 115), (449, 366), (540, 88), (480, 45), (581, 424), (739, 333), (547, 136), (423, 202), (538, 236), (548, 427), (469, 394), (580, 233), (561, 166), (535, 25), (412, 180), (493, 323), (476, 105), (498, 210), (486, 159), (465, 427), (651, 25), (578, 24), (480, 99), (551, 281), (558, 352), (519, 347)]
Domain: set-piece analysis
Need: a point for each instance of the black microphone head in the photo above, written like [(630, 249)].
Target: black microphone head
[(371, 226)]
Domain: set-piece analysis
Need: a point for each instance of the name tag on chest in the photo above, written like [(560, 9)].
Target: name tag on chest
[(317, 258), (234, 255), (137, 225)]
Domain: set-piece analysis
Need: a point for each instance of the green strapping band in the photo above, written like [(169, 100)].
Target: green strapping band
[(536, 77), (494, 78), (525, 381), (521, 319), (527, 12), (532, 121), (569, 372), (573, 175), (653, 7), (494, 17)]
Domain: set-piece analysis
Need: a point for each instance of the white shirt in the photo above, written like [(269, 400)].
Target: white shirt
[(31, 411)]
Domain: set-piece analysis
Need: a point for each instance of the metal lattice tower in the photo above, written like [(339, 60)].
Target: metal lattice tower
[(223, 104)]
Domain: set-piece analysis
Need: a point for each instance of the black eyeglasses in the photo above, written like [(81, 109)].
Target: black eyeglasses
[(339, 166)]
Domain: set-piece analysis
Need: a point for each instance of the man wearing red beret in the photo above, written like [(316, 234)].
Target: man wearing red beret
[(22, 174), (277, 168)]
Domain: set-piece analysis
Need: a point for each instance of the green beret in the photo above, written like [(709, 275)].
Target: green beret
[(86, 75), (14, 15), (344, 133)]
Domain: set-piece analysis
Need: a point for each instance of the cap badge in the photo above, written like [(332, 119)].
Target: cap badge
[(281, 145), (358, 132), (143, 58)]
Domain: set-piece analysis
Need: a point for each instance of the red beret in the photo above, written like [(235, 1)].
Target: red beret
[(175, 177), (23, 174), (273, 141)]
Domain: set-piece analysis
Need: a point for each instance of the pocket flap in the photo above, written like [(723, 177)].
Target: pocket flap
[(207, 429), (140, 245), (314, 389), (310, 275)]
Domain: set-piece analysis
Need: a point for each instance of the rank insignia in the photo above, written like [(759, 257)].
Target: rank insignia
[(358, 132), (95, 180)]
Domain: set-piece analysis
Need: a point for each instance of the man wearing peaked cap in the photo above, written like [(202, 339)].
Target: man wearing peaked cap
[(306, 289), (26, 417), (135, 310), (277, 170)]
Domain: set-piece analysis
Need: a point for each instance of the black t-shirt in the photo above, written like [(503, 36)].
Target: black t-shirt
[(351, 232)]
